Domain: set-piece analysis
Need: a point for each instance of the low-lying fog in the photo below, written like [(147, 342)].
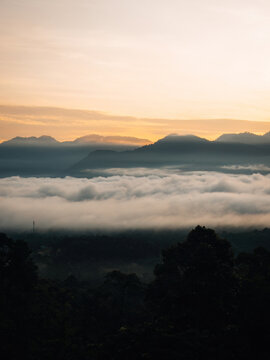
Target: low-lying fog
[(136, 198)]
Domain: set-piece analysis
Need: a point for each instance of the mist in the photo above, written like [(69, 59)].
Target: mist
[(163, 199)]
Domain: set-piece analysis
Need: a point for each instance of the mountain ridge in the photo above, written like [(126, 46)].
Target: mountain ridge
[(241, 138), (245, 138), (31, 140), (189, 151), (83, 140)]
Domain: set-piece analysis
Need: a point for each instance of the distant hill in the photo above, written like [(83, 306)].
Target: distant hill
[(45, 140), (245, 138), (93, 138), (189, 152), (176, 142), (45, 156), (32, 140)]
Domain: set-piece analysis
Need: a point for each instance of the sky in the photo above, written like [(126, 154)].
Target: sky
[(142, 66)]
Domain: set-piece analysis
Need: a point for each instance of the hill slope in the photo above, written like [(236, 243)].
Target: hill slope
[(190, 151)]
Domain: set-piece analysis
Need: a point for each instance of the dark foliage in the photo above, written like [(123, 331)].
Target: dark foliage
[(204, 303)]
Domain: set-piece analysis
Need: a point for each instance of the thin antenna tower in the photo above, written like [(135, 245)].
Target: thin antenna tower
[(34, 226)]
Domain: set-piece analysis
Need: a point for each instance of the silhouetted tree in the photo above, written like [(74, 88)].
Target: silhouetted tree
[(254, 304), (18, 278), (202, 304), (196, 283)]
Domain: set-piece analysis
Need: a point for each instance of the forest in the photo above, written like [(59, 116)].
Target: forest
[(205, 300)]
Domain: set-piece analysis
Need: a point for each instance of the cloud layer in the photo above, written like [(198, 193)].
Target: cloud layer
[(136, 199)]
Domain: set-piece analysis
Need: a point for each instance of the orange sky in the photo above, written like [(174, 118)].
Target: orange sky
[(142, 61), (67, 124)]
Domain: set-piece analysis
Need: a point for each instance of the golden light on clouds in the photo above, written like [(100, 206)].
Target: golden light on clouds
[(150, 59), (67, 124)]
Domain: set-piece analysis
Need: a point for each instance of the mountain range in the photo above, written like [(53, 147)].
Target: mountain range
[(45, 140), (187, 151), (245, 138), (45, 156), (92, 139)]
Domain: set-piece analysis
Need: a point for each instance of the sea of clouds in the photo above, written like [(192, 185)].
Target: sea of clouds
[(136, 198)]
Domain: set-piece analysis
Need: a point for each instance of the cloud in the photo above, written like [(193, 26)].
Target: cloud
[(258, 167), (164, 199)]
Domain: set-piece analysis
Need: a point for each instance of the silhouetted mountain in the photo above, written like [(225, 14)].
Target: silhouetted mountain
[(32, 140), (245, 138), (175, 138), (189, 151), (45, 156), (93, 138), (175, 143)]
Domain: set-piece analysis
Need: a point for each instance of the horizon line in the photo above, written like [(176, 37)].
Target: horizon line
[(70, 123), (147, 141)]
